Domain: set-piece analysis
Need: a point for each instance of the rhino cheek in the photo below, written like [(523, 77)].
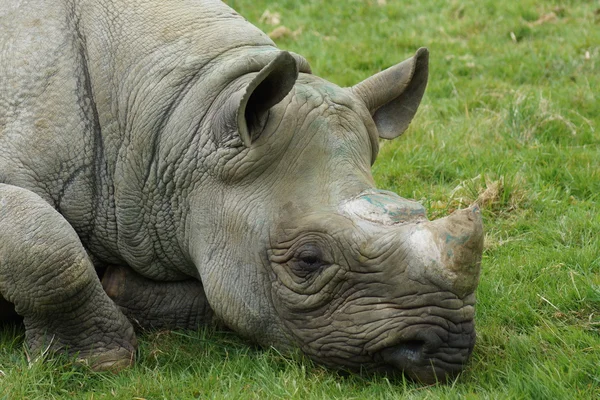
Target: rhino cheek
[(230, 268), (238, 298)]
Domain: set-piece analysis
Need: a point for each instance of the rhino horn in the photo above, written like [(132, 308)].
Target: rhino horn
[(451, 250), (270, 85), (393, 96)]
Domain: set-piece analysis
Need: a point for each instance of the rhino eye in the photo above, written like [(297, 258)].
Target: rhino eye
[(308, 260)]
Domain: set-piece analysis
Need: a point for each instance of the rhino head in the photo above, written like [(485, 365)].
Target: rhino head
[(304, 252)]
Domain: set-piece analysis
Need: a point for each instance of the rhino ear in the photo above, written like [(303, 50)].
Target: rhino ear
[(268, 88), (393, 96)]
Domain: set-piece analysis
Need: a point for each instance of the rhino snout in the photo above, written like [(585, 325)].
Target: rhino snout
[(445, 255), (432, 355)]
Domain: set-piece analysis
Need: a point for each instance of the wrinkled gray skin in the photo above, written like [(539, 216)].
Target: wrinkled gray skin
[(172, 149)]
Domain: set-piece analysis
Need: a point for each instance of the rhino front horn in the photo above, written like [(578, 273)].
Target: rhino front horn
[(449, 251)]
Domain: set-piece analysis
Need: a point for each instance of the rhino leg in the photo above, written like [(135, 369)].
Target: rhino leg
[(46, 273), (157, 305)]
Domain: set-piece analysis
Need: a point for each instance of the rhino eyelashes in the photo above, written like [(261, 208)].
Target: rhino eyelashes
[(310, 262), (307, 262), (310, 258)]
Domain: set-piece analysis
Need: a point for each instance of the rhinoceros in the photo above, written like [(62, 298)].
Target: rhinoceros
[(165, 165)]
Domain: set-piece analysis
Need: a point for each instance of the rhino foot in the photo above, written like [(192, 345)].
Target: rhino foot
[(113, 360)]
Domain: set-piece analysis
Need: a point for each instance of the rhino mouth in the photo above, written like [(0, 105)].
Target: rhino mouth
[(428, 360)]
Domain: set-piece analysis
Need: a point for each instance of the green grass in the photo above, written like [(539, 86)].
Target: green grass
[(511, 116)]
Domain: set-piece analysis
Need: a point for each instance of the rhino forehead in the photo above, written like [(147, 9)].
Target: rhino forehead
[(311, 132), (338, 104)]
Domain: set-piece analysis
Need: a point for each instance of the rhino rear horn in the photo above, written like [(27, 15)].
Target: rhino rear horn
[(393, 96), (269, 87)]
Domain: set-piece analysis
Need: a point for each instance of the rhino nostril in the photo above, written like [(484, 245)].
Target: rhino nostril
[(405, 354)]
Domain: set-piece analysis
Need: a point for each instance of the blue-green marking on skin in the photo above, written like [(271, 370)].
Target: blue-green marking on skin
[(457, 240), (396, 207), (383, 207)]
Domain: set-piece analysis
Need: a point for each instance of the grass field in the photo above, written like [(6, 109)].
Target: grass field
[(511, 117)]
